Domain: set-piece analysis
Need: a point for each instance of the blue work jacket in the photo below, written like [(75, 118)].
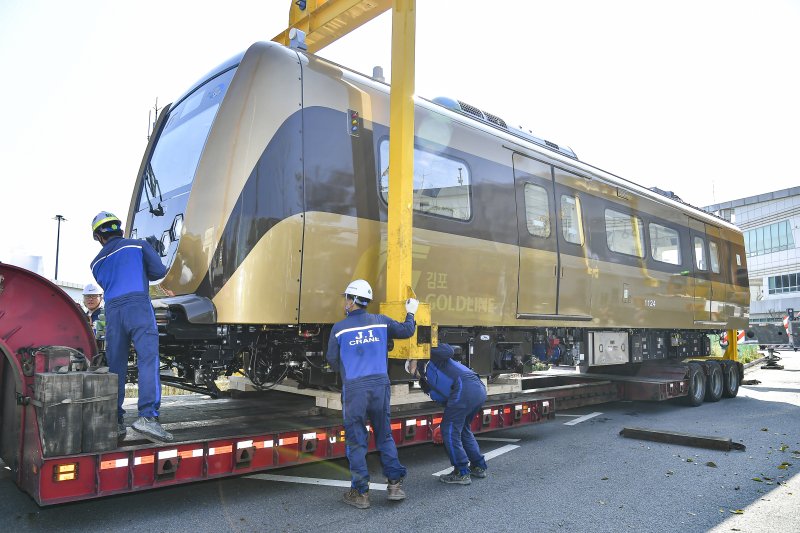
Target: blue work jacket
[(125, 266), (442, 376), (358, 346)]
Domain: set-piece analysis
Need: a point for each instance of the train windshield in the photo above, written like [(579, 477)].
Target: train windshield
[(177, 152)]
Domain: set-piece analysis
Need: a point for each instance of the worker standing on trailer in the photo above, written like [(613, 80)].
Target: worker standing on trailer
[(358, 349), (462, 393), (123, 268), (93, 301)]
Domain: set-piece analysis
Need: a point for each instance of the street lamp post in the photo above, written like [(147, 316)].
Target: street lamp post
[(59, 218)]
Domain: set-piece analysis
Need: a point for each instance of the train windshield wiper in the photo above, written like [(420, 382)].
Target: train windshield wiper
[(151, 187)]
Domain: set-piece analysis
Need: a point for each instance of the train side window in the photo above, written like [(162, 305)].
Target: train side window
[(713, 256), (665, 244), (537, 210), (700, 253), (441, 184), (571, 219), (624, 233)]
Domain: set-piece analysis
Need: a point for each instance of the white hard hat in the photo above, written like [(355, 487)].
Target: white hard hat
[(91, 288), (361, 290)]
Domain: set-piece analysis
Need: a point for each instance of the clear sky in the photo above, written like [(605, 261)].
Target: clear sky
[(698, 97)]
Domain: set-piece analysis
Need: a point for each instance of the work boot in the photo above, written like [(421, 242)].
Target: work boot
[(455, 478), (149, 427), (357, 499), (476, 471), (122, 431), (394, 490)]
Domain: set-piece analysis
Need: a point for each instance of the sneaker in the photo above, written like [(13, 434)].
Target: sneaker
[(122, 431), (476, 471), (455, 478), (149, 427), (357, 499), (394, 490)]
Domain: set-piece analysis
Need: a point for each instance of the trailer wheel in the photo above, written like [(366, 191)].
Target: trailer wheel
[(714, 384), (697, 385), (731, 381)]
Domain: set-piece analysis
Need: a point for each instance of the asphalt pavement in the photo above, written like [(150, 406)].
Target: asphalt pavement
[(575, 473)]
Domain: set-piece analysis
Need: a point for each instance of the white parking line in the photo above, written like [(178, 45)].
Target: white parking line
[(313, 481), (489, 455), (584, 418), (560, 414), (496, 439)]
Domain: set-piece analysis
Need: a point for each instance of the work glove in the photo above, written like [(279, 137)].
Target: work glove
[(411, 305)]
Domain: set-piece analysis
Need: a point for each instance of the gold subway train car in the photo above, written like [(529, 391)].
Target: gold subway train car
[(264, 190)]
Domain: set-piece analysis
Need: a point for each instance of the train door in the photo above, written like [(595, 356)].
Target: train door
[(576, 268), (537, 293), (717, 255), (700, 271)]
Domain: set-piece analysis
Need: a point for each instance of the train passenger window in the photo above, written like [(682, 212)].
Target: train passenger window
[(441, 184), (713, 256), (665, 244), (624, 233), (537, 210), (571, 219), (700, 253)]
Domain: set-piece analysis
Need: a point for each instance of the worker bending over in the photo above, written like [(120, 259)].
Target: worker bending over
[(462, 393), (123, 268), (358, 349)]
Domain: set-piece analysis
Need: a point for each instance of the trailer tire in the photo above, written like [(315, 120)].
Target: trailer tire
[(731, 381), (697, 385), (714, 383)]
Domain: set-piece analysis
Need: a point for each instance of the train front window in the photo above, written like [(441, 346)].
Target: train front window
[(180, 144)]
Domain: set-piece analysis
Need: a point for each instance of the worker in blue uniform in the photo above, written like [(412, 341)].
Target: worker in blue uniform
[(358, 349), (462, 393), (123, 268)]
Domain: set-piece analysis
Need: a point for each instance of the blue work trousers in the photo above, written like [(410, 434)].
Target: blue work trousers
[(462, 406), (130, 318), (358, 405)]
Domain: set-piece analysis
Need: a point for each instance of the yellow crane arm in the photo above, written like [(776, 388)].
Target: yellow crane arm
[(324, 21)]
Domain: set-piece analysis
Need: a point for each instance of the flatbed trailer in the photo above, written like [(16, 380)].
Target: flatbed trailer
[(247, 433)]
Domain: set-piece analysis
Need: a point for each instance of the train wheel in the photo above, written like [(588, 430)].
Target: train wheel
[(697, 385), (731, 381), (714, 383)]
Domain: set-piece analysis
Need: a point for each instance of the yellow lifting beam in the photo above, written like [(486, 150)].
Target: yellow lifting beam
[(323, 22)]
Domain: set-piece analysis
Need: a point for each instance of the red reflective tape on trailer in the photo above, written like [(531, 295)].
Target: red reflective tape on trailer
[(287, 441), (422, 422), (144, 460), (506, 410), (437, 420), (167, 454), (220, 450), (113, 463), (244, 444), (322, 436), (397, 425), (309, 436), (411, 422), (259, 444), (188, 454)]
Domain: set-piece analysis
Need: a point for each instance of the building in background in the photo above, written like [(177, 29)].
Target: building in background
[(771, 226)]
